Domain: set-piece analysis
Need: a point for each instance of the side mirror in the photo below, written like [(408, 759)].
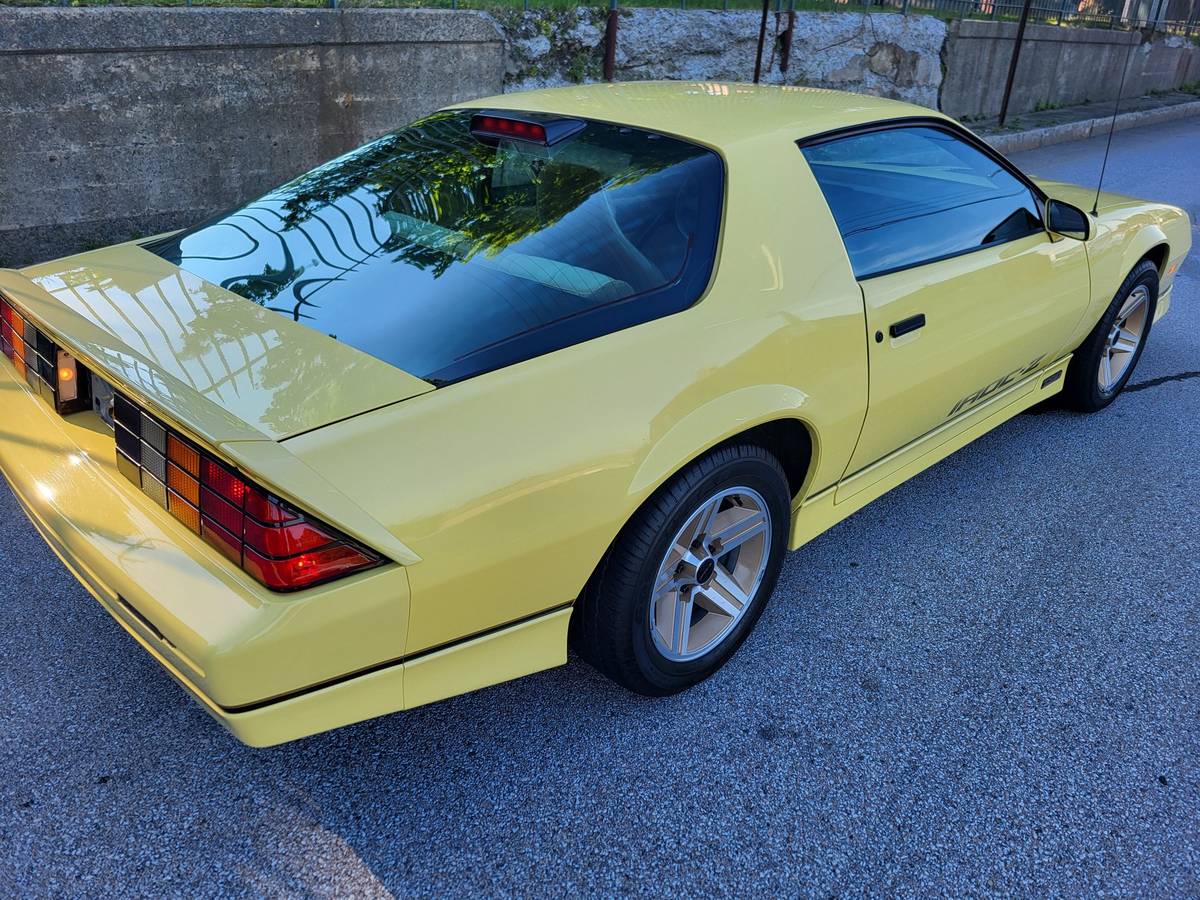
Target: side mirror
[(1065, 219)]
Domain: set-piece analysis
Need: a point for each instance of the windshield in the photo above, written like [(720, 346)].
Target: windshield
[(447, 256)]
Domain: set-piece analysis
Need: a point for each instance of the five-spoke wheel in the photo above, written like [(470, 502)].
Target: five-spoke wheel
[(687, 578), (1104, 362), (710, 573), (1124, 337)]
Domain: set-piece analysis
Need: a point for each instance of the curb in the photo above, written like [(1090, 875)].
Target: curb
[(1078, 131)]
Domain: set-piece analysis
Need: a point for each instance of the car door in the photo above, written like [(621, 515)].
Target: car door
[(965, 293)]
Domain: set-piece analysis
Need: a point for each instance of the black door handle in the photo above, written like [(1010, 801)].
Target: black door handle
[(904, 326)]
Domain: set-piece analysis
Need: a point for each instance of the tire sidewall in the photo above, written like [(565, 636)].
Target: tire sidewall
[(752, 472), (1092, 397)]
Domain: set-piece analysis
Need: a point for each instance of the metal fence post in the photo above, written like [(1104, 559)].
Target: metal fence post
[(762, 37), (1012, 63), (610, 41), (785, 46)]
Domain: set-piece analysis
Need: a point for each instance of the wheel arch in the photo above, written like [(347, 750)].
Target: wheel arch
[(1159, 254), (1147, 242), (779, 427), (768, 415)]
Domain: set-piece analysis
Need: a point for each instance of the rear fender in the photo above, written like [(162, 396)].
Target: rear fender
[(698, 431)]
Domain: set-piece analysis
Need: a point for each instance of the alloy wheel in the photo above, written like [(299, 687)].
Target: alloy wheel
[(1124, 338), (710, 574)]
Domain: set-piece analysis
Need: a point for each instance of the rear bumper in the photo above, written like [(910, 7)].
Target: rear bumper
[(269, 667), (511, 652)]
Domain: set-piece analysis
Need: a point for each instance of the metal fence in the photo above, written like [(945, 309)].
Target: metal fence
[(1180, 17), (1082, 13)]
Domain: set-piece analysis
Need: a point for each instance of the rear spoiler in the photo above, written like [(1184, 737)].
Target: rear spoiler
[(246, 447), (117, 363)]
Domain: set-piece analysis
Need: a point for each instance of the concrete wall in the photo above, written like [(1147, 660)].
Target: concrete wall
[(1058, 66), (120, 122), (126, 121), (959, 67), (885, 54)]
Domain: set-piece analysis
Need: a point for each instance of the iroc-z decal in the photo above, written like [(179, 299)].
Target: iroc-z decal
[(983, 393)]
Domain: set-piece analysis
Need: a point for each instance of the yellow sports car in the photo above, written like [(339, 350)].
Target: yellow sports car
[(571, 365)]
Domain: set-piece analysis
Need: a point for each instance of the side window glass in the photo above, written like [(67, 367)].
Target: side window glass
[(908, 195)]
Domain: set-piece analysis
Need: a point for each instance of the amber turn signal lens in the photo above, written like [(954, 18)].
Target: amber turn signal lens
[(183, 484), (187, 458), (184, 512)]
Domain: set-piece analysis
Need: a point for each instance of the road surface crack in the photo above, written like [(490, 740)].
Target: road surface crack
[(1155, 382)]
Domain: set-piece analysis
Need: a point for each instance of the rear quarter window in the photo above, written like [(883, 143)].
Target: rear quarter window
[(449, 256)]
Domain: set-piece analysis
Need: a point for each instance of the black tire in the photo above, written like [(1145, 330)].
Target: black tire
[(1081, 389), (611, 624)]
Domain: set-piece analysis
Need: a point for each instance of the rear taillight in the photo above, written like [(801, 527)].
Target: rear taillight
[(278, 545), (47, 368)]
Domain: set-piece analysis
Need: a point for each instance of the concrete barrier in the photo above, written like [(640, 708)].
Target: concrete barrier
[(121, 122), (127, 121), (1058, 66)]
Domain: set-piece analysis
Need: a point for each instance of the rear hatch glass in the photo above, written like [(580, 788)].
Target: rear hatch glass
[(446, 255)]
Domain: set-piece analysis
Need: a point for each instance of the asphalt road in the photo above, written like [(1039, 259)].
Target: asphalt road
[(986, 682)]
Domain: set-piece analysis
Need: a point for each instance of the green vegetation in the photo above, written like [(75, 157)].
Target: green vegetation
[(946, 10), (490, 5), (1190, 88)]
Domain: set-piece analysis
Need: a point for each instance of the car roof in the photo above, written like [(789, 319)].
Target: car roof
[(719, 114)]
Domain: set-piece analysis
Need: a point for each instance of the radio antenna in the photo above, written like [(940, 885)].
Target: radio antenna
[(1112, 126)]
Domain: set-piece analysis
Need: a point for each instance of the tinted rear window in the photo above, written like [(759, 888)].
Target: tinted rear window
[(447, 256)]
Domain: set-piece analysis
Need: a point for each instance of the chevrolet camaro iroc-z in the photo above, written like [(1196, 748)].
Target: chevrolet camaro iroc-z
[(576, 365)]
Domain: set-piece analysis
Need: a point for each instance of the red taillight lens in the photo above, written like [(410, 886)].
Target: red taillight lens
[(221, 539), (286, 540), (306, 569), (280, 546), (265, 509), (224, 482), (217, 510)]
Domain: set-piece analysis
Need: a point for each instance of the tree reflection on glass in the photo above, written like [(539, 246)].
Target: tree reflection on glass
[(430, 245)]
